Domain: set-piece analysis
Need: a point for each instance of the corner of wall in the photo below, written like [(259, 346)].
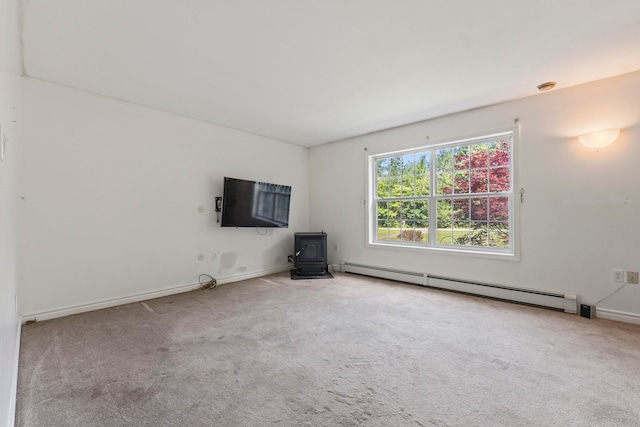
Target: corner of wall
[(13, 398)]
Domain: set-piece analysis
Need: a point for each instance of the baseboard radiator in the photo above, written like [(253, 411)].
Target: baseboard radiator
[(555, 300)]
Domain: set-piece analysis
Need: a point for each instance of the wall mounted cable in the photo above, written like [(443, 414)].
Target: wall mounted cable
[(218, 208)]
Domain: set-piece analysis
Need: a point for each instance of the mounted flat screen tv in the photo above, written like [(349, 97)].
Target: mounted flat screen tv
[(255, 204)]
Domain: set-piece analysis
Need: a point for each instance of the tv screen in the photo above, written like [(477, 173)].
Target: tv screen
[(255, 204)]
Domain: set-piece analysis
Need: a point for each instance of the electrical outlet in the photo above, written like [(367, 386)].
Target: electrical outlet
[(632, 277), (618, 276)]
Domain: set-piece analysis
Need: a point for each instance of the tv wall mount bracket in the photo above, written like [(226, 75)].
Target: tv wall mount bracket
[(218, 208)]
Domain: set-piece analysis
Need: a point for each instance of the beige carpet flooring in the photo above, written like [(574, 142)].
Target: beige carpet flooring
[(349, 351)]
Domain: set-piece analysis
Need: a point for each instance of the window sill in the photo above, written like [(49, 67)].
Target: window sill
[(503, 256)]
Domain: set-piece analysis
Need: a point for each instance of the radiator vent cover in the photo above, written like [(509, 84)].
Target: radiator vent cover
[(549, 299)]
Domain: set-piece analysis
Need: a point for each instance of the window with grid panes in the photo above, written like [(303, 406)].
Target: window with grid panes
[(457, 195)]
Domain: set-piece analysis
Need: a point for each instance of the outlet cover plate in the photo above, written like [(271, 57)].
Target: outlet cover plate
[(632, 277), (617, 276)]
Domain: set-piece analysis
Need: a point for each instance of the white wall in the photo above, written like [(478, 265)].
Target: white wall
[(9, 107), (575, 227), (111, 192)]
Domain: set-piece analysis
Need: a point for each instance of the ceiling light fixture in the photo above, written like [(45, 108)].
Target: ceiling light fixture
[(546, 86), (599, 139)]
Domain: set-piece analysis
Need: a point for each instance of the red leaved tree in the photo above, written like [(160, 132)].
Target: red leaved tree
[(483, 171)]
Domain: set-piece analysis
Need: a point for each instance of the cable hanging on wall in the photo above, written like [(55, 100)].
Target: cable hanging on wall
[(218, 208), (610, 294)]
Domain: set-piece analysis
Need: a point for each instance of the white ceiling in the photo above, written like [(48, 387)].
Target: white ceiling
[(310, 72)]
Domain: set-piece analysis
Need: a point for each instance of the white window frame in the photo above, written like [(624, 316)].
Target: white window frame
[(511, 253)]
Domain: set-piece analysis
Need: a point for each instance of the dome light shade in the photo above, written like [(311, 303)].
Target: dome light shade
[(599, 139)]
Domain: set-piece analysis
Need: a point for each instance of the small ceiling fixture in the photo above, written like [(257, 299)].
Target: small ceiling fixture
[(546, 86), (599, 139)]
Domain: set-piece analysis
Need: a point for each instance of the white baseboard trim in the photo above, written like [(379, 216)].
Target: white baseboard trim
[(620, 316), (98, 305), (14, 379)]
